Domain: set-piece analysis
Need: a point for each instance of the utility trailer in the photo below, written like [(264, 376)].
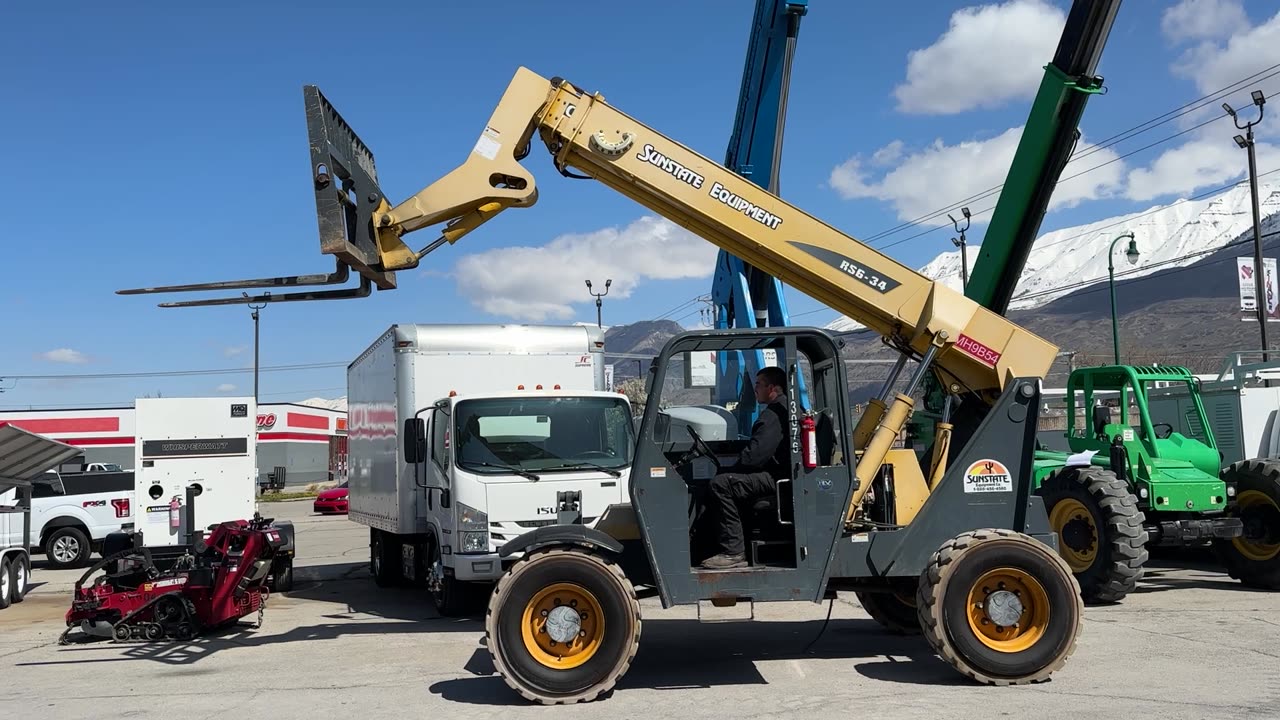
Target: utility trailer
[(195, 467), (25, 458), (515, 421)]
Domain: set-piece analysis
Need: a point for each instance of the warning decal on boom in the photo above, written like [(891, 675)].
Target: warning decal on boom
[(856, 270)]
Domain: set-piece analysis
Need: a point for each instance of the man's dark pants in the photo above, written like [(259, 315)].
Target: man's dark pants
[(729, 492)]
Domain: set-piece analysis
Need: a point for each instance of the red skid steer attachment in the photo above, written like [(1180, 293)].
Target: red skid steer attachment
[(216, 582)]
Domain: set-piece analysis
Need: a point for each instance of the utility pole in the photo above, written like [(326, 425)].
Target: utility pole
[(1259, 272), (255, 309), (960, 243), (597, 296)]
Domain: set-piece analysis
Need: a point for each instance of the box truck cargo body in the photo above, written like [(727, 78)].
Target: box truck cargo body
[(515, 420)]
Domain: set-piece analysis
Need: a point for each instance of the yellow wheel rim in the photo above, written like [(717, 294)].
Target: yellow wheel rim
[(1008, 610), (1251, 549), (562, 626), (1082, 548)]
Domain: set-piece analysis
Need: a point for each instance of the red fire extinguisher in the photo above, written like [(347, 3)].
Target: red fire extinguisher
[(175, 514), (809, 441)]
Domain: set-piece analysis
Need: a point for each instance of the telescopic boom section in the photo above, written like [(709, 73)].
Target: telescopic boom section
[(974, 347)]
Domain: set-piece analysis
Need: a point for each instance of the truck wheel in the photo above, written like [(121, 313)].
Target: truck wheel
[(563, 626), (67, 547), (999, 606), (896, 611), (453, 597), (383, 561), (21, 577), (6, 582), (1254, 557), (1100, 532)]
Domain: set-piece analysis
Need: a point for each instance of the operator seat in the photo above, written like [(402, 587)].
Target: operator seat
[(761, 523)]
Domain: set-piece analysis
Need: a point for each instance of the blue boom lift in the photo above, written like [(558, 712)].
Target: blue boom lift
[(744, 296)]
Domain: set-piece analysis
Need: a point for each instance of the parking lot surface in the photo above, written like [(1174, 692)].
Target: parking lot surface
[(1189, 644)]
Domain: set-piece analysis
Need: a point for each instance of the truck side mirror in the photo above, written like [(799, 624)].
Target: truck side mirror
[(415, 440)]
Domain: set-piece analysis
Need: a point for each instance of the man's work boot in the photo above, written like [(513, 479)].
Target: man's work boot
[(724, 561)]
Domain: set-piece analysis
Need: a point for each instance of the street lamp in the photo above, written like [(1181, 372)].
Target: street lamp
[(1246, 142), (597, 296), (1130, 254), (255, 308), (960, 243)]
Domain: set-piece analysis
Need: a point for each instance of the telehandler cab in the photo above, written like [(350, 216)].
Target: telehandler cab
[(961, 551)]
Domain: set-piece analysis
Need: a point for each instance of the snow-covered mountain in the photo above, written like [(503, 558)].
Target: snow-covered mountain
[(338, 404), (1167, 236)]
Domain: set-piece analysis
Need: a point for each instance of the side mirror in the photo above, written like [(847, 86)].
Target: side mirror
[(415, 440)]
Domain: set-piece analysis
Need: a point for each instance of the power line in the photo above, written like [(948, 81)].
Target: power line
[(1127, 134)]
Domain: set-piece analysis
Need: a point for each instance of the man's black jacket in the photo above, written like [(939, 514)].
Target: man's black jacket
[(768, 451)]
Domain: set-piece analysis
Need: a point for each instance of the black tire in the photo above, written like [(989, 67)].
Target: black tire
[(454, 598), (6, 582), (616, 643), (1049, 598), (1100, 530), (74, 540), (282, 575), (896, 613), (384, 562), (1254, 559), (20, 578)]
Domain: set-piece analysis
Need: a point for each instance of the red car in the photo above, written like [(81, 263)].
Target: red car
[(333, 500)]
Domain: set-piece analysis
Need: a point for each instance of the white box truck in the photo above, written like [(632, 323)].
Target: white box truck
[(517, 431)]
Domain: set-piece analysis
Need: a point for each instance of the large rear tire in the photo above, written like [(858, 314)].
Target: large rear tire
[(1000, 607), (1254, 558), (1100, 530), (563, 626), (896, 611)]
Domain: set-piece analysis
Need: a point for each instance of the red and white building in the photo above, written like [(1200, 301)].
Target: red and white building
[(309, 442)]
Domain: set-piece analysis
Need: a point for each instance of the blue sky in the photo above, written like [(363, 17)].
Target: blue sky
[(170, 142)]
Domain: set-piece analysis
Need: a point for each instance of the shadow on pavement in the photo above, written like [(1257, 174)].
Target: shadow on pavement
[(1182, 569), (684, 654), (369, 610)]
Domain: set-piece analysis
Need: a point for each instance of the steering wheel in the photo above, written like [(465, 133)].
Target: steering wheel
[(1169, 431), (702, 447)]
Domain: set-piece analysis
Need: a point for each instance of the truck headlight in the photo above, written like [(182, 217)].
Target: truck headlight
[(470, 518), (475, 542)]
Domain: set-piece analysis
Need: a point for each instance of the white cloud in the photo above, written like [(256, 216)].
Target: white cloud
[(1208, 161), (924, 180), (536, 283), (226, 388), (234, 350), (64, 355), (1203, 20), (1244, 51), (989, 54)]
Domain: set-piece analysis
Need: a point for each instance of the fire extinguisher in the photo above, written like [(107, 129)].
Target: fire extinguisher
[(809, 441), (175, 514)]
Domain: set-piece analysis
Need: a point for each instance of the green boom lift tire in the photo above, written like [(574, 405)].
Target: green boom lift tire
[(1100, 532)]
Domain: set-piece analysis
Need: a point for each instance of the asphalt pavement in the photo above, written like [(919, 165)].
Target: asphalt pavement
[(1190, 643)]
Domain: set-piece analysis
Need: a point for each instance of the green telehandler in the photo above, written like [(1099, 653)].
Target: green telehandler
[(1130, 482)]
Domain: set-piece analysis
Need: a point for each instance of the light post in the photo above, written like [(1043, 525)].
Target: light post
[(255, 309), (960, 243), (597, 296), (1259, 273), (1131, 254)]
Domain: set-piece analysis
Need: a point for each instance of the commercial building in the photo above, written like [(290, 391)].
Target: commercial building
[(308, 442)]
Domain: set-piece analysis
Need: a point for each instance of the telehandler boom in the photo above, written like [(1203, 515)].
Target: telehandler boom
[(964, 555)]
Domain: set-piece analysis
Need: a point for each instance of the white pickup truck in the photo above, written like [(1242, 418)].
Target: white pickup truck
[(71, 517)]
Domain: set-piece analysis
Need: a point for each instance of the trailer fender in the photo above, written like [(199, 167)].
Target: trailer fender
[(551, 535)]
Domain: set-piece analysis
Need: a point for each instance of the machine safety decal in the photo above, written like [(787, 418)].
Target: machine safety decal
[(488, 145), (858, 271), (148, 587), (658, 472), (987, 476)]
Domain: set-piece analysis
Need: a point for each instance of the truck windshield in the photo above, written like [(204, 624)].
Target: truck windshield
[(543, 434)]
